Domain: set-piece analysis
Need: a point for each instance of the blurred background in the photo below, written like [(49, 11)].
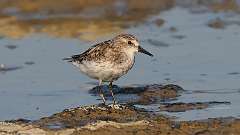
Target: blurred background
[(195, 44), (89, 20)]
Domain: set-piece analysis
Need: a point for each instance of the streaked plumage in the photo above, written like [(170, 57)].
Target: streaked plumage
[(109, 60)]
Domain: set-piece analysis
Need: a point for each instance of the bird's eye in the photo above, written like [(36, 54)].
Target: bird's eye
[(129, 42)]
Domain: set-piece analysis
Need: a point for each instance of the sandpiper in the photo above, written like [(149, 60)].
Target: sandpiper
[(108, 60)]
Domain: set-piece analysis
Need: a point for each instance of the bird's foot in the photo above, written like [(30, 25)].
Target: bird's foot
[(103, 105), (114, 104)]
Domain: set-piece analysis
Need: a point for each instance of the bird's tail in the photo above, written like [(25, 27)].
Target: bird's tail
[(69, 59)]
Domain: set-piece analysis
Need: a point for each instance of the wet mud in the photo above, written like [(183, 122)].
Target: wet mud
[(127, 118), (155, 93), (82, 116), (121, 119), (182, 107), (146, 95)]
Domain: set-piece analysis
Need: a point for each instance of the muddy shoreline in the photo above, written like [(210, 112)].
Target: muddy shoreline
[(127, 118), (123, 119)]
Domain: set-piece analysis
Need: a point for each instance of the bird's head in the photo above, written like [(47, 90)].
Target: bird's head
[(130, 43)]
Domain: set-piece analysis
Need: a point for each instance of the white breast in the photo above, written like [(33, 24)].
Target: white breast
[(106, 71)]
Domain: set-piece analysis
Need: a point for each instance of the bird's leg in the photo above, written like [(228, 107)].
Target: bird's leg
[(101, 92), (110, 89)]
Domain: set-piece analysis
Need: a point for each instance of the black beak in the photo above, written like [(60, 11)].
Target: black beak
[(140, 49)]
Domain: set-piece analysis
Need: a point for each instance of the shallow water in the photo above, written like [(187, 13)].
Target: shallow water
[(203, 61)]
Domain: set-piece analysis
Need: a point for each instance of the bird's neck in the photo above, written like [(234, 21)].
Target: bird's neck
[(130, 53)]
